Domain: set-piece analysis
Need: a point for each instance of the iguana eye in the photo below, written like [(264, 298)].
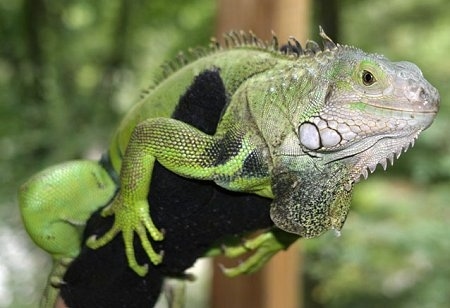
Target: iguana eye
[(368, 78)]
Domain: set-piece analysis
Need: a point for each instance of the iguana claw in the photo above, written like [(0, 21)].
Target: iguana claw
[(264, 246), (128, 220)]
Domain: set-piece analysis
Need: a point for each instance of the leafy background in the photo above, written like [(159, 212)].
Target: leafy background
[(70, 69)]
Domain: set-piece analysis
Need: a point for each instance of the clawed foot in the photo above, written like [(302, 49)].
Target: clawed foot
[(129, 219), (60, 267), (263, 247)]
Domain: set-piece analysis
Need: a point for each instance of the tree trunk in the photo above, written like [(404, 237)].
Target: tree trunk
[(278, 283)]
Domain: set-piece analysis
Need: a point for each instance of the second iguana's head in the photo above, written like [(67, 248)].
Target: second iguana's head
[(373, 110)]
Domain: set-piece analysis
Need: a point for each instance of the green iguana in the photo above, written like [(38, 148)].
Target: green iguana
[(301, 127)]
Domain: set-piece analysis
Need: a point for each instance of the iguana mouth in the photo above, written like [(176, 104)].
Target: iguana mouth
[(433, 109), (363, 156), (383, 152), (332, 139)]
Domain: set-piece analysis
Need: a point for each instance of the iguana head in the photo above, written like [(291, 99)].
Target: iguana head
[(347, 112), (373, 110)]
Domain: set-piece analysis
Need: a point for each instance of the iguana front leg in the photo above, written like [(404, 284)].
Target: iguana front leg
[(184, 150)]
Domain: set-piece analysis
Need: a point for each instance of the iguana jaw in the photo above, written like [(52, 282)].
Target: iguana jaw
[(383, 152), (363, 156), (364, 150)]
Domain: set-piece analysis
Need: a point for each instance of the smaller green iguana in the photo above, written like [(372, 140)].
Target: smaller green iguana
[(301, 127)]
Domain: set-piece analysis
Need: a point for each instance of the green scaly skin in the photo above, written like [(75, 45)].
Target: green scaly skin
[(294, 130), (55, 206), (302, 127)]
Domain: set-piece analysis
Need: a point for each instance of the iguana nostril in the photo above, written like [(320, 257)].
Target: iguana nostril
[(416, 93), (423, 95)]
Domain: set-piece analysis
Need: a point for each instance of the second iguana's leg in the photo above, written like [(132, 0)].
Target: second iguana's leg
[(263, 247), (180, 148)]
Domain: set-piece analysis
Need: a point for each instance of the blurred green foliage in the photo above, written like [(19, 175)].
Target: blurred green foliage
[(392, 252), (70, 69)]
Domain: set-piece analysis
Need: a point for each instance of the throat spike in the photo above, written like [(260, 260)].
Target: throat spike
[(390, 158), (384, 164), (365, 173), (372, 168)]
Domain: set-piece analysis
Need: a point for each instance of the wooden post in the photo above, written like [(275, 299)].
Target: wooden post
[(285, 17), (278, 284)]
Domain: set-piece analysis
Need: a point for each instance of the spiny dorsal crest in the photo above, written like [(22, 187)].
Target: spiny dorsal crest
[(293, 46), (242, 39), (234, 39)]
